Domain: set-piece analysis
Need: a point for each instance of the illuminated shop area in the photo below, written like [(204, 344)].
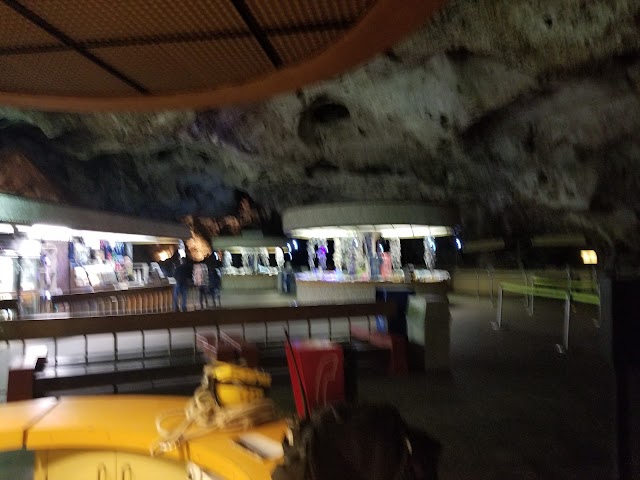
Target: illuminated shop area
[(251, 261), (367, 248), (48, 250)]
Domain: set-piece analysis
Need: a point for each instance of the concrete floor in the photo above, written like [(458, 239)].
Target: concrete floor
[(512, 407)]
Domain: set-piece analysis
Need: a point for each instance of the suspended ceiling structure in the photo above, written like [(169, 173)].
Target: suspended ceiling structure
[(149, 54), (389, 220)]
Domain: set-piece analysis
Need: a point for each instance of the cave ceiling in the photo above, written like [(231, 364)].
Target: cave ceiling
[(524, 113)]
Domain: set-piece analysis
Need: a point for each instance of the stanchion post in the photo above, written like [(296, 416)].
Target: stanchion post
[(497, 325), (530, 295), (565, 326)]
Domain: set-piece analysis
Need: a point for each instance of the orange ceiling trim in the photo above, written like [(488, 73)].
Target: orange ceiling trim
[(386, 24)]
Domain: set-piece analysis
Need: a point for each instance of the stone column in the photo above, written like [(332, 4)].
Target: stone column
[(352, 255), (323, 250), (362, 264), (429, 252), (279, 258), (396, 255), (226, 259), (311, 253), (337, 254), (264, 256), (371, 252)]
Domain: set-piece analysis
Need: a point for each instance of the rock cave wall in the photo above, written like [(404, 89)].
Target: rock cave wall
[(525, 113)]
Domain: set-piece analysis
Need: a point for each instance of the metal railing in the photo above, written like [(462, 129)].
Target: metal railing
[(485, 282), (116, 302)]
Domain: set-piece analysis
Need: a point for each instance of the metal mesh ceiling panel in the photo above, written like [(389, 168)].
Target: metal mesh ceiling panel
[(283, 13), (17, 32), (99, 20), (58, 73), (104, 48), (189, 65), (296, 47)]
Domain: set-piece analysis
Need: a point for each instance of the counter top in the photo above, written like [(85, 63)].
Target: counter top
[(127, 423), (383, 283), (16, 418)]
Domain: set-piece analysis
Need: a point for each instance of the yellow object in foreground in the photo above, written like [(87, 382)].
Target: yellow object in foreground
[(229, 397), (235, 385), (108, 434)]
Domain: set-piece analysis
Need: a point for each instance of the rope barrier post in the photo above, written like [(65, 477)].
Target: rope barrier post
[(477, 286), (86, 349), (144, 345), (115, 346), (497, 324), (530, 309), (564, 348), (526, 294), (55, 351)]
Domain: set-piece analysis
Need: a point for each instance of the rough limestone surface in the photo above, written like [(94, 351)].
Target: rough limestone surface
[(525, 113)]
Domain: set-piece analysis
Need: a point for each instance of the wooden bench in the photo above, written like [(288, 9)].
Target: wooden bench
[(117, 367), (114, 373)]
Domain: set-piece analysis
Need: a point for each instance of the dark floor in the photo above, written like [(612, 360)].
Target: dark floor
[(512, 407)]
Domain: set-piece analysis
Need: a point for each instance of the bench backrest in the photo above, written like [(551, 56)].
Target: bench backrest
[(70, 327)]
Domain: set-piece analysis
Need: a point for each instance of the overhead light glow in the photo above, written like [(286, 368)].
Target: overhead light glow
[(30, 248), (6, 228), (386, 231), (589, 257), (458, 244), (295, 244), (41, 231)]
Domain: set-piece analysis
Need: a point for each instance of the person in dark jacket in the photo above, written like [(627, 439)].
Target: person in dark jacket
[(182, 275), (215, 285)]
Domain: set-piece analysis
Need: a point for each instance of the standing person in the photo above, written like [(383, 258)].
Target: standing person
[(182, 275), (201, 281), (215, 283)]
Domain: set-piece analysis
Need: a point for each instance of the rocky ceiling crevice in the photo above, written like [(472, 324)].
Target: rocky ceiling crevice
[(525, 113)]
